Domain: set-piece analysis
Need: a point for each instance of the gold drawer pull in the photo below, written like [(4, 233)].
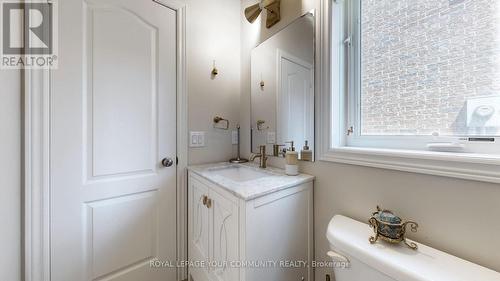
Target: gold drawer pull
[(207, 201)]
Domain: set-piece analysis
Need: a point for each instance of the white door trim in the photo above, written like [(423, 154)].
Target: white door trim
[(37, 174)]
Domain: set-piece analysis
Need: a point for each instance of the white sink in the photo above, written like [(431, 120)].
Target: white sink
[(248, 181), (239, 173)]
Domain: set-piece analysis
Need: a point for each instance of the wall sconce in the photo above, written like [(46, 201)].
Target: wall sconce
[(273, 11), (215, 71)]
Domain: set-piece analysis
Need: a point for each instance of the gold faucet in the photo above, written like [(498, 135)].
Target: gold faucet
[(262, 156)]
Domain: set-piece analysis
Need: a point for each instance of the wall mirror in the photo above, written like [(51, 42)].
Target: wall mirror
[(282, 97)]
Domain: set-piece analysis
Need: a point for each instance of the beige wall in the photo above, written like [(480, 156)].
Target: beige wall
[(456, 216), (10, 177), (213, 33)]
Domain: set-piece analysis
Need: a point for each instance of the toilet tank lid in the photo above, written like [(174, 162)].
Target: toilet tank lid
[(350, 237)]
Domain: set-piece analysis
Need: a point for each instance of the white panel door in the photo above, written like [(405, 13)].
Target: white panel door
[(113, 120), (295, 101)]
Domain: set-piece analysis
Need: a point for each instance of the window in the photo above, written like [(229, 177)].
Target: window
[(414, 85), (423, 75)]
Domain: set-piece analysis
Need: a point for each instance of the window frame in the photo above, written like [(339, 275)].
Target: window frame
[(335, 115), (354, 96)]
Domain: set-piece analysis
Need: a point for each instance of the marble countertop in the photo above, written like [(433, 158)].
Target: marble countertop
[(272, 180)]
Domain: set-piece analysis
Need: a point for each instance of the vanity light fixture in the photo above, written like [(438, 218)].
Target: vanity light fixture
[(273, 11)]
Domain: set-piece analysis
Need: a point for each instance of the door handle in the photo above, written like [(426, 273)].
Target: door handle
[(167, 162)]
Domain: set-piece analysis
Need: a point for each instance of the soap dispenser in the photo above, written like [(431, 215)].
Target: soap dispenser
[(306, 153), (292, 161)]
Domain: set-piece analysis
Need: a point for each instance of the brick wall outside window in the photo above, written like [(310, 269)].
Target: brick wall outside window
[(422, 60)]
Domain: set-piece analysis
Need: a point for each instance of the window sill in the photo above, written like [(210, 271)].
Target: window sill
[(468, 166)]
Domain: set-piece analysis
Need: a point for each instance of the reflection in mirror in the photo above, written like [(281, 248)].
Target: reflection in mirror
[(283, 90)]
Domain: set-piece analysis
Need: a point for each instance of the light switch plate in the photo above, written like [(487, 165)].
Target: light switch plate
[(196, 139), (271, 137), (234, 137)]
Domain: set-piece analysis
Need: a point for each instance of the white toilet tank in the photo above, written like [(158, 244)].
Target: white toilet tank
[(386, 262)]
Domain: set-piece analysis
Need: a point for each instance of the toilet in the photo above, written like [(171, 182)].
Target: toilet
[(388, 262)]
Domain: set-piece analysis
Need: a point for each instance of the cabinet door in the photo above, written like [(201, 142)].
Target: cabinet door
[(223, 237), (199, 221)]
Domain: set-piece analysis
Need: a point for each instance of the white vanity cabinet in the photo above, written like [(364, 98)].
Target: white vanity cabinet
[(213, 231), (252, 230)]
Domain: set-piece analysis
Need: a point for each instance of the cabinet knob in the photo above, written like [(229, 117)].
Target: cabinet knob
[(207, 201)]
